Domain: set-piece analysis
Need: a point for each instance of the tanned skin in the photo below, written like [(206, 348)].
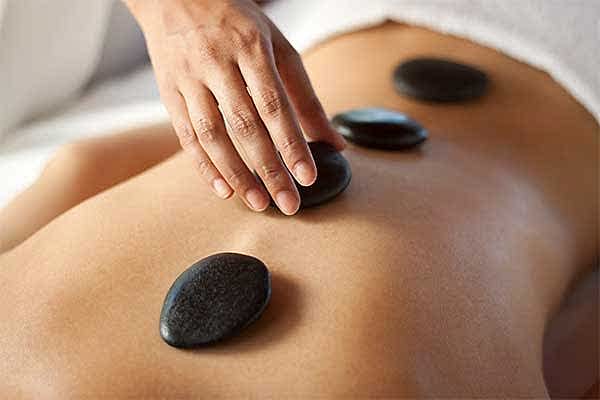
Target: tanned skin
[(435, 273)]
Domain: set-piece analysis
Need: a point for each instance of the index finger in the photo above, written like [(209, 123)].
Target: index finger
[(309, 110)]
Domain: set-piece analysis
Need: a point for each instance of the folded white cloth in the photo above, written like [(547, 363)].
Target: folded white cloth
[(558, 36)]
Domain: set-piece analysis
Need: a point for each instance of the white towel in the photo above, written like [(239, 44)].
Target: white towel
[(48, 51), (561, 37)]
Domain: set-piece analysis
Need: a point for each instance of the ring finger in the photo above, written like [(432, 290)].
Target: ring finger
[(175, 104)]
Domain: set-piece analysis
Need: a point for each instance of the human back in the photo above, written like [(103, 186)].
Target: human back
[(421, 278)]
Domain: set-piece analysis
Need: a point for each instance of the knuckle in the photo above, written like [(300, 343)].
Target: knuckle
[(205, 167), (200, 44), (271, 173), (185, 134), (184, 68), (237, 176), (209, 52), (206, 129), (272, 103), (292, 146), (243, 124), (250, 37)]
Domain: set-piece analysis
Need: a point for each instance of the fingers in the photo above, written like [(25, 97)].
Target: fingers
[(262, 119), (211, 134), (310, 112), (271, 102), (176, 106), (248, 129)]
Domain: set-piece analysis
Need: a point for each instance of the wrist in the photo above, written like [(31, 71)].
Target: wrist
[(160, 17), (145, 12)]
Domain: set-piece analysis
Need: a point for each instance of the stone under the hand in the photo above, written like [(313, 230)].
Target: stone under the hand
[(379, 128), (333, 176), (439, 80), (215, 298)]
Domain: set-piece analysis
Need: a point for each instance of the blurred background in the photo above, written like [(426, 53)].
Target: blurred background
[(68, 69)]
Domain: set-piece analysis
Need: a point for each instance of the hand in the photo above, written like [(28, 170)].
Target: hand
[(223, 63)]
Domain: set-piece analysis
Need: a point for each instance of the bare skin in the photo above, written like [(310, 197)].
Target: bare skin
[(434, 274)]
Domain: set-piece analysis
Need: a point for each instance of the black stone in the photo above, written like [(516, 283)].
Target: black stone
[(439, 80), (214, 299), (333, 176), (379, 128)]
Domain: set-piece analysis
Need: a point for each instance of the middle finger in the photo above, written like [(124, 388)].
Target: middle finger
[(247, 128)]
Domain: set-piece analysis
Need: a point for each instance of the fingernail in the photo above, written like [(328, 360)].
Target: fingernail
[(257, 200), (221, 188), (287, 202), (304, 173)]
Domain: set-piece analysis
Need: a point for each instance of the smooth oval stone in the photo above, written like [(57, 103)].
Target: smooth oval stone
[(214, 299), (379, 128), (433, 79), (333, 176)]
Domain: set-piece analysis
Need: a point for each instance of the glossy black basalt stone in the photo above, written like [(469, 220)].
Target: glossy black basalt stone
[(380, 128), (439, 80), (333, 176), (214, 299)]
